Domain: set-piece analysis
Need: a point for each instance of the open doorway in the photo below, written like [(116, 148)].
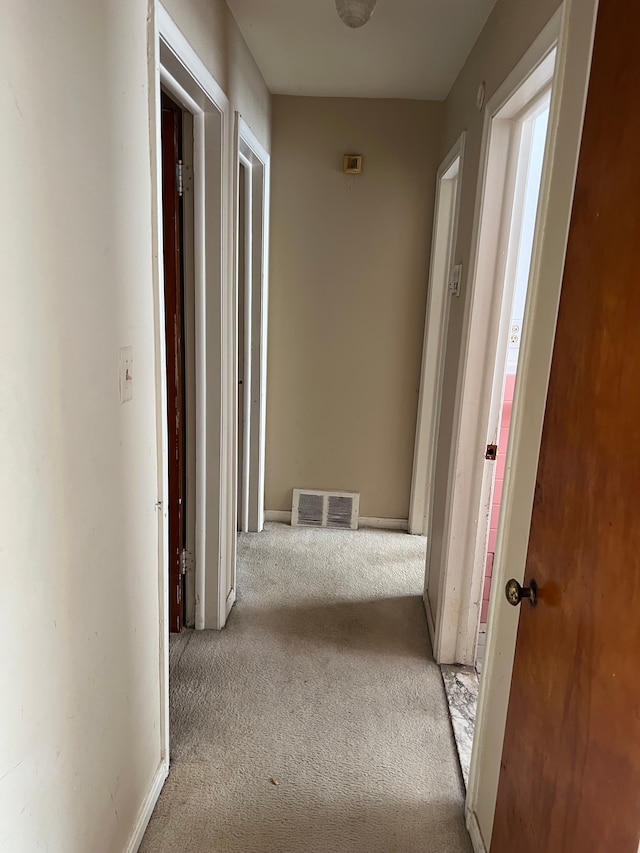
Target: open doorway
[(516, 144), (244, 362), (194, 327), (251, 306), (177, 246), (252, 206), (444, 282), (529, 151)]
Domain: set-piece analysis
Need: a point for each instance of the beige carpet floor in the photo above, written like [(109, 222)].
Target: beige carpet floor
[(316, 722)]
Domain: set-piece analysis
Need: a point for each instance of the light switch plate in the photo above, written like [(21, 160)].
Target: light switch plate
[(126, 374)]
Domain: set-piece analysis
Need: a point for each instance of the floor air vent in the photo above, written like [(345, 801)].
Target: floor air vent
[(325, 509)]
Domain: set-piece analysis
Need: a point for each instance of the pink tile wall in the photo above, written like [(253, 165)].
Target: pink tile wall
[(505, 424)]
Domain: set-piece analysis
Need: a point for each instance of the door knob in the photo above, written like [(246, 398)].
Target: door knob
[(515, 593)]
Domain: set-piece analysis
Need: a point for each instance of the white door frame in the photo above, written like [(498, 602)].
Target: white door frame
[(176, 66), (470, 478), (572, 28), (497, 258), (255, 158), (445, 229)]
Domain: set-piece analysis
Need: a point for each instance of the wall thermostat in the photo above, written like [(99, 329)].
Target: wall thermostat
[(352, 164)]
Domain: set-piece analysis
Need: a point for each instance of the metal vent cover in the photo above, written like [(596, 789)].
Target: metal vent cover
[(313, 508)]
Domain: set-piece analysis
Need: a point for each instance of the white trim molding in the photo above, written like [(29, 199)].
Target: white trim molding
[(574, 23), (443, 244), (383, 523), (284, 517), (181, 72), (474, 833), (256, 159), (460, 587), (281, 516), (147, 807), (174, 65)]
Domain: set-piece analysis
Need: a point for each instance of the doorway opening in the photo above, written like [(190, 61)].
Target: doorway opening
[(252, 163), (193, 338), (516, 144), (179, 330), (444, 282), (244, 362), (529, 150), (252, 207)]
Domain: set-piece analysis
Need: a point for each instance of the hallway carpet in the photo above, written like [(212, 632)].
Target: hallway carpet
[(316, 722)]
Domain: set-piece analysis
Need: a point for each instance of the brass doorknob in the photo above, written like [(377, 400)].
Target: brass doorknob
[(515, 593)]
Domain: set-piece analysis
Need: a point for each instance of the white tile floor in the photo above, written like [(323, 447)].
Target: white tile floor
[(461, 685)]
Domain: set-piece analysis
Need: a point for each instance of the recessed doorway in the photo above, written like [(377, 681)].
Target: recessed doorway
[(252, 208), (516, 145), (529, 150), (177, 207)]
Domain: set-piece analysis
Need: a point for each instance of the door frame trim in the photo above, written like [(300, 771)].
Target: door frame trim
[(184, 75), (177, 601), (572, 28), (459, 601), (248, 150), (435, 326), (174, 64)]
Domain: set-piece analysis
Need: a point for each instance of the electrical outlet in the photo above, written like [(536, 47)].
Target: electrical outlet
[(126, 374)]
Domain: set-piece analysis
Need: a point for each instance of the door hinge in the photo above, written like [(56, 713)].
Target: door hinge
[(492, 452), (184, 560), (179, 178), (187, 178)]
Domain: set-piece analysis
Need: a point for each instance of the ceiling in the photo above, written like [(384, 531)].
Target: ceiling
[(409, 48)]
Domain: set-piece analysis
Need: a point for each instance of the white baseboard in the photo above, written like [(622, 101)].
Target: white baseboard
[(231, 600), (147, 807), (284, 517), (474, 831), (383, 523)]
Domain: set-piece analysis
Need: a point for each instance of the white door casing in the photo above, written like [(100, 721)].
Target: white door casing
[(177, 68), (256, 161), (572, 28), (459, 575), (445, 228)]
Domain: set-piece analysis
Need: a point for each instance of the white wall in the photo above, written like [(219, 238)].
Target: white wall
[(81, 729)]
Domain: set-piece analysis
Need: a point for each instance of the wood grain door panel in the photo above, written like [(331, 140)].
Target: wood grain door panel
[(173, 297), (570, 772)]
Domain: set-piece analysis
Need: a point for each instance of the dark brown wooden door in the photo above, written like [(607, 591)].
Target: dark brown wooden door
[(570, 773), (173, 296)]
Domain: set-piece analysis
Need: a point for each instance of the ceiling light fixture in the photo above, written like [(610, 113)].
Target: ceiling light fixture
[(355, 13)]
